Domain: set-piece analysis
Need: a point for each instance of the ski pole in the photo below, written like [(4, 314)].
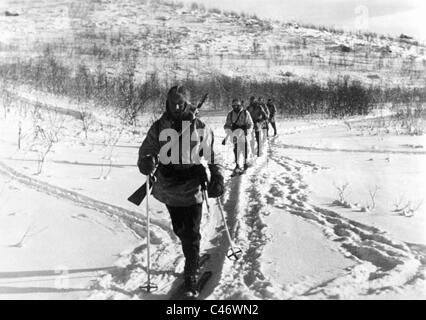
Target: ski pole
[(205, 199), (148, 287), (236, 252)]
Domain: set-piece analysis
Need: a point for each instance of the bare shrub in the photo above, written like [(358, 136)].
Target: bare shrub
[(111, 138), (342, 192), (373, 193), (406, 208), (47, 133)]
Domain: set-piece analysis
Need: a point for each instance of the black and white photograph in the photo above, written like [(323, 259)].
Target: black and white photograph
[(229, 151)]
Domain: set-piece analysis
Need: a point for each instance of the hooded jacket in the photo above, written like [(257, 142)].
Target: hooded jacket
[(239, 120), (179, 184), (259, 114)]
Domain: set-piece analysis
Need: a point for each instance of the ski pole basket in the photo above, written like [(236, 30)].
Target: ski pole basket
[(149, 287), (234, 253)]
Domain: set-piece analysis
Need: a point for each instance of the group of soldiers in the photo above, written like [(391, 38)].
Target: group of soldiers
[(183, 187), (249, 125)]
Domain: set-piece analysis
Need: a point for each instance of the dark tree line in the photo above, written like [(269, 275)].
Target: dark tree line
[(123, 90)]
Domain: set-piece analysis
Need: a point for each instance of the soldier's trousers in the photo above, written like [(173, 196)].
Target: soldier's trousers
[(245, 151), (274, 126), (186, 225), (258, 142)]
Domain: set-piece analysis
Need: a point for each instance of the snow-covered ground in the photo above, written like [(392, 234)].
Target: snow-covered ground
[(297, 242)]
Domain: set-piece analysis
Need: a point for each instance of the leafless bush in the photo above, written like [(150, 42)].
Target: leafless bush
[(342, 192), (406, 208), (86, 118), (111, 138), (47, 133), (372, 193), (6, 96), (27, 234)]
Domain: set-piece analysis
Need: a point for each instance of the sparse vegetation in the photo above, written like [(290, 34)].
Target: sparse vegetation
[(214, 10), (85, 117), (406, 208), (407, 119), (340, 97), (111, 138), (342, 193), (373, 193), (47, 133), (194, 6)]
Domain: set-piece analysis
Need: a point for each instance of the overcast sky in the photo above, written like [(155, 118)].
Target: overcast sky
[(383, 16)]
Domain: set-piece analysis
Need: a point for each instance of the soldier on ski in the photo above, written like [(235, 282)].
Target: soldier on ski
[(238, 125), (259, 115), (180, 184), (272, 112), (265, 123)]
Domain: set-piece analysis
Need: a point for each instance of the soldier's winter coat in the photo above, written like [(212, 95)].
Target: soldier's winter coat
[(238, 120), (179, 185), (259, 114)]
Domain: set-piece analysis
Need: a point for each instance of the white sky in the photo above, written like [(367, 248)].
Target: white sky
[(383, 16)]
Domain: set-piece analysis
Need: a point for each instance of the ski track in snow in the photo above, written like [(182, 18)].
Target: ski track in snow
[(383, 265), (131, 268), (131, 219), (243, 278), (290, 146)]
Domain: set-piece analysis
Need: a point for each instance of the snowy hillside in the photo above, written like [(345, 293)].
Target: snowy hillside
[(195, 41), (332, 209)]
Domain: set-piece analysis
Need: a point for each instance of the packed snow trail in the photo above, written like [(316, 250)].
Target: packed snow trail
[(381, 264), (167, 258), (245, 279), (375, 263)]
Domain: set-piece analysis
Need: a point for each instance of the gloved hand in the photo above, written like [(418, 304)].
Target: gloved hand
[(190, 113), (147, 164), (216, 186), (203, 172)]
